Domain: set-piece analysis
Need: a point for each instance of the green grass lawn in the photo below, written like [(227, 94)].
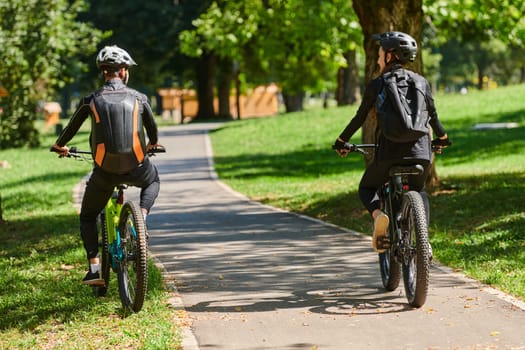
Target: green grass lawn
[(43, 305), (477, 214)]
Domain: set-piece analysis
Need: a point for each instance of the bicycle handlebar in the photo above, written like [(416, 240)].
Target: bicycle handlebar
[(361, 148), (76, 153), (352, 147)]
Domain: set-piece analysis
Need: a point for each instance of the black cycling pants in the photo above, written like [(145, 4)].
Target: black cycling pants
[(376, 175), (99, 189)]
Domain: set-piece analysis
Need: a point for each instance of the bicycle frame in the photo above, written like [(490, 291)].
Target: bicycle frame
[(112, 215), (392, 193)]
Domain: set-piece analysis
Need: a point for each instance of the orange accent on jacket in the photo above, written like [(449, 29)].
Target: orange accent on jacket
[(95, 113), (137, 146)]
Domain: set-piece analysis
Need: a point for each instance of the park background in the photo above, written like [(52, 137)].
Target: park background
[(320, 55)]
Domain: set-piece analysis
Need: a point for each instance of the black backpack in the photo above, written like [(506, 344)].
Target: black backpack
[(402, 113)]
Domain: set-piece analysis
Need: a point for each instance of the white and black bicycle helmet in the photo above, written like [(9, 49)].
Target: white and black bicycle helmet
[(402, 44), (114, 57)]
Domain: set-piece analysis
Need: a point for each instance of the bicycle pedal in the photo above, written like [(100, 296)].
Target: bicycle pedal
[(383, 243)]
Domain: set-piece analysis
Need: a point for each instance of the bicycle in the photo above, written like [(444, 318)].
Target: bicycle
[(123, 243), (407, 245)]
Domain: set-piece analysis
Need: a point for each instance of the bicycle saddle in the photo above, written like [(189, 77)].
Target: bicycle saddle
[(416, 169)]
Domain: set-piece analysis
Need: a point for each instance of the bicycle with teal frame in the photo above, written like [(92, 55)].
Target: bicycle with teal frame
[(123, 243)]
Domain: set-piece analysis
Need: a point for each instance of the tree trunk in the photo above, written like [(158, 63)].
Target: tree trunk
[(480, 77), (378, 16), (348, 81), (293, 103), (205, 82), (224, 87)]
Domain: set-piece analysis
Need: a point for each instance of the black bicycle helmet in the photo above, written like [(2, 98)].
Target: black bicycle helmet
[(114, 57), (402, 44)]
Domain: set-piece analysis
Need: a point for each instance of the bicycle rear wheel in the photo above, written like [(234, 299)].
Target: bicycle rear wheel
[(105, 261), (388, 264), (416, 259), (390, 270), (133, 272)]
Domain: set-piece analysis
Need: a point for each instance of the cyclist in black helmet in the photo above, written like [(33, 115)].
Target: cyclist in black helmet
[(396, 50), (119, 116)]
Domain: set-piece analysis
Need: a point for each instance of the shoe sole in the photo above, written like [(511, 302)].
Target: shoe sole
[(380, 230)]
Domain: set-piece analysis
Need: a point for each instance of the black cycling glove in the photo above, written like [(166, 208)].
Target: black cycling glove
[(441, 143), (339, 145)]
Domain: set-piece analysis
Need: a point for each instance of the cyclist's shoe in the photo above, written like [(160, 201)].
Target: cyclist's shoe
[(93, 279), (380, 239)]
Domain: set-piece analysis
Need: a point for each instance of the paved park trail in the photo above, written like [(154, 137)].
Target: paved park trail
[(252, 277)]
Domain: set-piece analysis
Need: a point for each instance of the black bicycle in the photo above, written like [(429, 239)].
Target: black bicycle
[(123, 243), (407, 245)]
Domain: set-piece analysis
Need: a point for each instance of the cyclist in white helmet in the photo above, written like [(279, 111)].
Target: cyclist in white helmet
[(120, 119)]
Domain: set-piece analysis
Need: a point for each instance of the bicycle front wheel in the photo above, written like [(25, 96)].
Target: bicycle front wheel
[(416, 256), (105, 260), (133, 271)]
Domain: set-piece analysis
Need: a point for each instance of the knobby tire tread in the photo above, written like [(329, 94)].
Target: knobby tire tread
[(413, 211), (388, 265), (105, 262), (133, 296), (390, 270)]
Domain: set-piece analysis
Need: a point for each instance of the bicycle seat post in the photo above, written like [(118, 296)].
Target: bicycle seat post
[(398, 183), (120, 198)]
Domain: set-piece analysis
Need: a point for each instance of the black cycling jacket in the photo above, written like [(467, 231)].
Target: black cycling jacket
[(389, 150), (119, 115)]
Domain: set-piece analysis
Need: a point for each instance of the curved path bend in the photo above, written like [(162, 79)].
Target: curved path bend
[(252, 277)]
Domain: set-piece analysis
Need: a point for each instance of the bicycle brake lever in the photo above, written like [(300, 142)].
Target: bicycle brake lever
[(350, 147)]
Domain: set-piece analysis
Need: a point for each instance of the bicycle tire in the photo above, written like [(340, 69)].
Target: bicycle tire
[(133, 271), (105, 261), (416, 268), (390, 270), (388, 264)]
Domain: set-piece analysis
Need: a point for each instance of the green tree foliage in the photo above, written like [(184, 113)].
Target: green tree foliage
[(303, 42), (40, 41), (224, 29), (148, 31), (299, 44), (468, 20), (217, 38), (478, 32)]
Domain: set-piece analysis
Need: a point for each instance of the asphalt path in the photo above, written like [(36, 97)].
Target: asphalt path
[(248, 276)]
